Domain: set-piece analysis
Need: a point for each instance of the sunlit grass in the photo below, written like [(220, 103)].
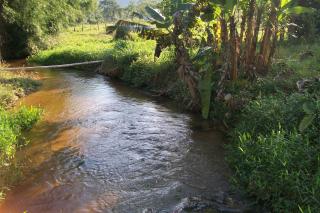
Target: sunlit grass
[(14, 85), (302, 59)]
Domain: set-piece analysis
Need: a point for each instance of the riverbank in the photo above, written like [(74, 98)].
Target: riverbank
[(13, 86), (273, 124)]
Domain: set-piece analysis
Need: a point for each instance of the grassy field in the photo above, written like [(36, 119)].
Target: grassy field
[(78, 46)]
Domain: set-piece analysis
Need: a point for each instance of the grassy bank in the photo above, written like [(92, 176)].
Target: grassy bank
[(273, 125), (13, 122), (276, 137), (75, 46), (132, 61)]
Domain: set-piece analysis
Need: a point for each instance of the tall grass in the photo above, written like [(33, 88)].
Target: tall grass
[(275, 160), (14, 85), (11, 126)]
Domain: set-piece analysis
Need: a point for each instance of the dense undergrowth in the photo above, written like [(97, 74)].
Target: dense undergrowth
[(274, 126), (276, 136)]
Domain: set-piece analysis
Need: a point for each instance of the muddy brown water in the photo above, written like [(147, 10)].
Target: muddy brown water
[(104, 147)]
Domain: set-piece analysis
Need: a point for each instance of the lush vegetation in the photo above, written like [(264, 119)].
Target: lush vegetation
[(245, 63), (12, 125), (15, 85), (78, 46), (25, 25)]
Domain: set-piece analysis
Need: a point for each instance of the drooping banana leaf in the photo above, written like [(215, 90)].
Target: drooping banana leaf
[(155, 14), (299, 10), (205, 87), (306, 122), (133, 26), (202, 53)]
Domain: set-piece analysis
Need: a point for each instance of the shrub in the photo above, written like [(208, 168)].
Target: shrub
[(11, 126), (280, 168), (275, 161)]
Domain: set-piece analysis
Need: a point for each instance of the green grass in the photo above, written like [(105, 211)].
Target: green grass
[(273, 159), (131, 60), (14, 85), (75, 47), (11, 127)]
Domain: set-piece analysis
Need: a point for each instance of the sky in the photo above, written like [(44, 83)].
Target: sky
[(123, 3)]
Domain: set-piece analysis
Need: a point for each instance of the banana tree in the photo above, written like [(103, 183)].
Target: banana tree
[(280, 11), (287, 9)]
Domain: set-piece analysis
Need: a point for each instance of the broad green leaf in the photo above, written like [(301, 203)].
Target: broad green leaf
[(308, 108), (283, 3), (229, 5), (306, 122), (203, 52), (288, 4), (299, 10)]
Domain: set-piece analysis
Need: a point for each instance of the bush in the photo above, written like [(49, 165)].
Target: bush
[(275, 161), (281, 169), (11, 126)]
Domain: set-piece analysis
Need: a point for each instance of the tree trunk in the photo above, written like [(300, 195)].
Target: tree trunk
[(224, 33), (249, 36), (185, 71), (252, 55), (263, 60), (282, 34), (233, 49), (225, 47), (1, 31), (243, 25), (273, 45)]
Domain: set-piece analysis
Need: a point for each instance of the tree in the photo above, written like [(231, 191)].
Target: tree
[(1, 27), (25, 24), (110, 9)]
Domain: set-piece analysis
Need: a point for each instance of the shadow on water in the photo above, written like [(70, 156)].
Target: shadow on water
[(105, 147)]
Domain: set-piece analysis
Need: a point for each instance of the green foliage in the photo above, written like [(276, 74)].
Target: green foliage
[(272, 160), (75, 47), (13, 86), (280, 168), (205, 88), (11, 126), (26, 24)]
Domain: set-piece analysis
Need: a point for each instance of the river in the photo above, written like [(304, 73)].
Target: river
[(102, 146)]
